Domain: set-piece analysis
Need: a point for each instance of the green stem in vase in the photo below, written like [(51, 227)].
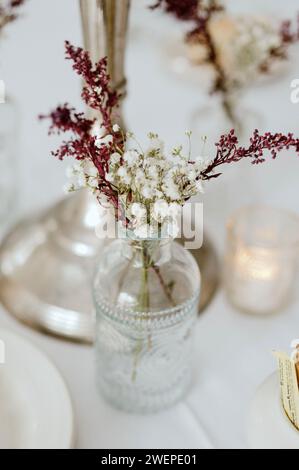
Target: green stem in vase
[(144, 299), (143, 305), (167, 290), (137, 353), (144, 286), (144, 295)]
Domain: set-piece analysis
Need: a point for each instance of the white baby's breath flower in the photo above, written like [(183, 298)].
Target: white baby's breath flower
[(93, 183), (178, 158), (139, 178), (192, 173), (97, 129), (69, 188), (171, 189), (177, 151), (147, 191), (116, 128), (70, 171), (174, 210), (138, 210), (131, 157), (98, 89), (199, 186), (74, 169), (201, 164), (110, 177), (89, 168), (155, 145), (124, 176), (250, 47), (160, 210), (106, 140), (159, 161), (153, 172), (81, 180), (158, 194), (155, 183), (83, 174), (115, 159), (172, 228)]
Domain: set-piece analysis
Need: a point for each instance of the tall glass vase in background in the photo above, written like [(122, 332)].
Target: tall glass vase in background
[(146, 295), (8, 162), (62, 239)]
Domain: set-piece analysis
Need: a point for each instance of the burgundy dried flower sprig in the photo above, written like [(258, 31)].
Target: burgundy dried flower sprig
[(229, 151), (200, 13), (9, 11), (96, 94), (182, 9), (288, 35)]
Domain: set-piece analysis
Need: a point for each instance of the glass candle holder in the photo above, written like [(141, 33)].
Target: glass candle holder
[(261, 259)]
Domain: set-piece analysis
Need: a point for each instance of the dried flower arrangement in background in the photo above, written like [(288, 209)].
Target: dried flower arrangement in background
[(238, 49), (9, 11)]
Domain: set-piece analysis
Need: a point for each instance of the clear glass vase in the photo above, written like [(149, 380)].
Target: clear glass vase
[(8, 165), (146, 295)]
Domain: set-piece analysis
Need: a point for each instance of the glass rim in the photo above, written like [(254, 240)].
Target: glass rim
[(129, 235)]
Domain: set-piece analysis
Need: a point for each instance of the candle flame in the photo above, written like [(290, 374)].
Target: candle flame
[(257, 263)]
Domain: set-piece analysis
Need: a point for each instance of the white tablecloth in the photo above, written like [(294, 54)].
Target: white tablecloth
[(233, 351)]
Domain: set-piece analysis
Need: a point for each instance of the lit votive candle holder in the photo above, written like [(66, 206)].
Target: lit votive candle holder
[(261, 259)]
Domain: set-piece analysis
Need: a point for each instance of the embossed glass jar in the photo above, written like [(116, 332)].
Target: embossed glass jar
[(146, 295)]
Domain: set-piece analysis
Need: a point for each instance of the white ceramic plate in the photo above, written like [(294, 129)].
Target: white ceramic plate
[(269, 427), (35, 406)]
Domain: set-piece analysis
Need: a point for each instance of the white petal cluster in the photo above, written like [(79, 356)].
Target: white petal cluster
[(98, 132), (82, 174), (153, 175), (97, 129), (250, 47), (154, 185), (161, 219), (108, 139), (116, 128)]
